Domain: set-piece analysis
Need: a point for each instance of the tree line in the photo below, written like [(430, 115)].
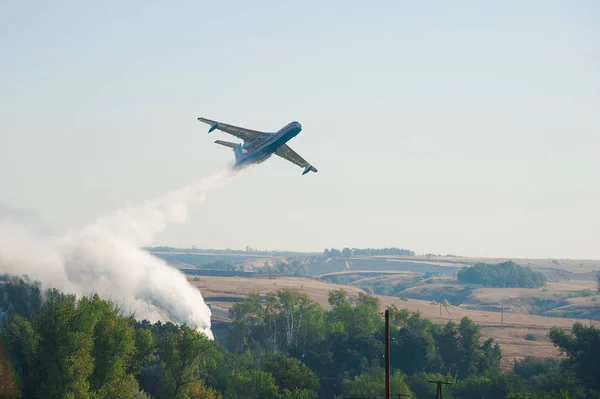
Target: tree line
[(54, 345), (294, 267), (279, 267), (506, 274), (281, 345), (347, 252), (247, 250), (343, 347)]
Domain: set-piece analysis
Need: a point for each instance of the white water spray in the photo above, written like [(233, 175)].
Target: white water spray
[(107, 258)]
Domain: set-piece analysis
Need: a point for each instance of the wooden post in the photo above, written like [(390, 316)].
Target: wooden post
[(387, 355)]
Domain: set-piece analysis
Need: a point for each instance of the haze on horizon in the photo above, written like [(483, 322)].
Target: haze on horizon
[(462, 128)]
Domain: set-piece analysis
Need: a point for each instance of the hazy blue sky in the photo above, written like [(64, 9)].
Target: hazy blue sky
[(462, 127)]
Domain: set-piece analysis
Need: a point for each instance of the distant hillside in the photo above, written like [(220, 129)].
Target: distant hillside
[(330, 265), (338, 260), (578, 307), (429, 278), (199, 260)]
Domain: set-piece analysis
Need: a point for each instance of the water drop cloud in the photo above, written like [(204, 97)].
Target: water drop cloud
[(107, 258)]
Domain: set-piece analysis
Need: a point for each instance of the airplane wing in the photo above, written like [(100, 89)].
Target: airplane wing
[(239, 132), (288, 154)]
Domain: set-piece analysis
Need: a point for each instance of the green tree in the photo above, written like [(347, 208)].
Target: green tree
[(180, 356), (75, 349), (251, 384), (20, 295), (506, 274), (286, 347), (372, 384), (285, 320), (291, 374), (398, 316), (496, 386), (297, 394), (547, 377), (422, 388), (145, 349), (531, 366), (247, 317), (8, 384), (198, 390), (561, 394), (450, 351), (140, 395), (414, 348), (113, 349), (338, 298), (58, 350), (347, 347), (582, 347), (469, 346), (333, 253)]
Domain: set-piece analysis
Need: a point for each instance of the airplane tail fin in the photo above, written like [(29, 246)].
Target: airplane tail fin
[(237, 152)]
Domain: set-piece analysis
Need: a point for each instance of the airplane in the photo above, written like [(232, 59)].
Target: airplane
[(259, 146)]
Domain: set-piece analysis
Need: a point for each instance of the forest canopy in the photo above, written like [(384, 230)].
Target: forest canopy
[(281, 345), (506, 274)]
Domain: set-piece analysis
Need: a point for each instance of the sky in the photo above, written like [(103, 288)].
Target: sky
[(465, 127)]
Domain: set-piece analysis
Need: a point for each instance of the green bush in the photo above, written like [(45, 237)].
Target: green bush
[(530, 337)]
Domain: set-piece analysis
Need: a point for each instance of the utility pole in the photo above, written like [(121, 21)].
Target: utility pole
[(502, 311), (387, 355), (438, 394)]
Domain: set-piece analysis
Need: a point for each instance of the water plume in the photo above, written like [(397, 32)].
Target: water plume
[(107, 258)]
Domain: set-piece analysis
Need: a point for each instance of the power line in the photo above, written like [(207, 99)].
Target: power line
[(439, 393)]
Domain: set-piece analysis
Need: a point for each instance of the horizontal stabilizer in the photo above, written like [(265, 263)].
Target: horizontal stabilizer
[(228, 144)]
